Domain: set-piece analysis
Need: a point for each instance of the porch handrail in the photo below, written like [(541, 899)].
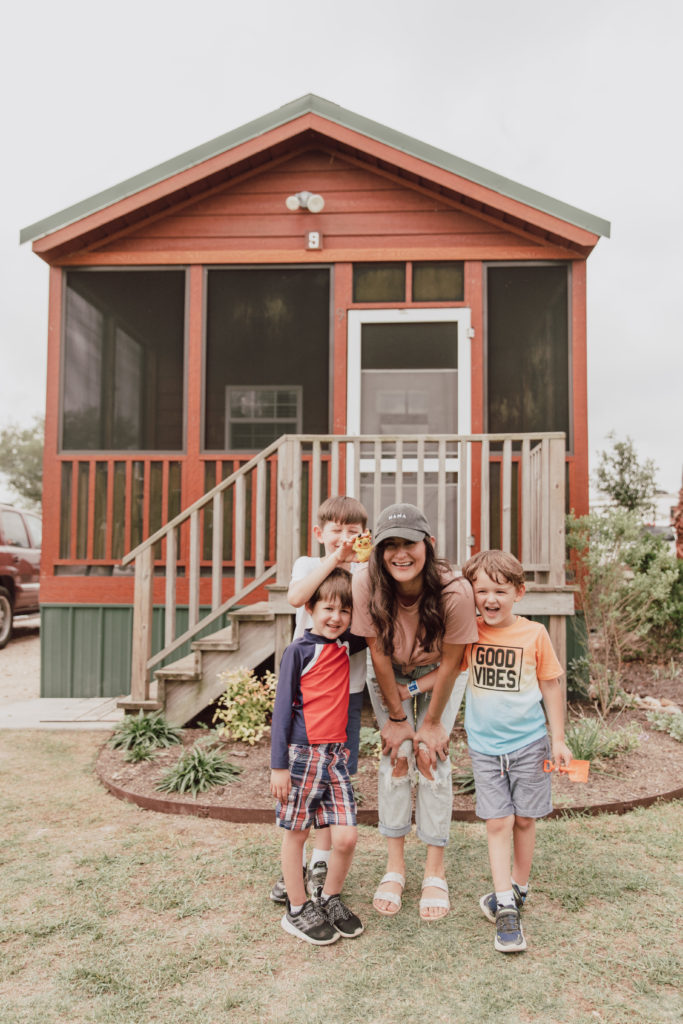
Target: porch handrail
[(540, 455)]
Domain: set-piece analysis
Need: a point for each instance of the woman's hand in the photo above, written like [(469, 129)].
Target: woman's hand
[(435, 737), (393, 734), (403, 691), (280, 784)]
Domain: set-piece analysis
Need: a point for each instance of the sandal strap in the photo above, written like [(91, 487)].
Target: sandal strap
[(436, 883), (393, 876), (390, 897)]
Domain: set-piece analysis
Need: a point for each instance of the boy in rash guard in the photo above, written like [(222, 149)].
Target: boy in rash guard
[(309, 769)]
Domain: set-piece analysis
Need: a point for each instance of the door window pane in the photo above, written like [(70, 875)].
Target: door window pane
[(528, 349), (379, 282), (438, 282), (123, 360), (409, 378), (267, 356)]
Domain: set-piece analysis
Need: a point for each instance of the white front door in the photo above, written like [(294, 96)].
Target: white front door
[(409, 373)]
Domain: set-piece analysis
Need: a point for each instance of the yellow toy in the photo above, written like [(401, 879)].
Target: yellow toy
[(362, 545)]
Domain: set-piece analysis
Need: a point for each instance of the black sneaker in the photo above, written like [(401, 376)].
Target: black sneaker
[(343, 920), (509, 934), (310, 924), (316, 879), (489, 904), (278, 893)]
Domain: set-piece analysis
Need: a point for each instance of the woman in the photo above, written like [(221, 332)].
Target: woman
[(417, 617)]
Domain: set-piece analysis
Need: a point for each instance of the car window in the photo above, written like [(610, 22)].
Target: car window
[(35, 526), (14, 530)]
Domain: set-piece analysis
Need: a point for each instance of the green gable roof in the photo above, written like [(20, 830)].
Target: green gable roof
[(311, 104)]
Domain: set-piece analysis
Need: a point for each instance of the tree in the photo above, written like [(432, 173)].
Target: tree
[(624, 480), (21, 459)]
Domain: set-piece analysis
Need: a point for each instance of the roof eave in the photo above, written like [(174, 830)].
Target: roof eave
[(339, 115)]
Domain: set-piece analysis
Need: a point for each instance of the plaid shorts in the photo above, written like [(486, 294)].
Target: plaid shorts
[(321, 792)]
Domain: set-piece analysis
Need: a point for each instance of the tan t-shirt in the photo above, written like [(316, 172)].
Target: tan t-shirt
[(461, 625)]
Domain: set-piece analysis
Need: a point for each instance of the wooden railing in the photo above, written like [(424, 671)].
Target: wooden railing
[(478, 491)]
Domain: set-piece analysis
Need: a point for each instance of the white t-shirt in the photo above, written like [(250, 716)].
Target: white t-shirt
[(357, 662)]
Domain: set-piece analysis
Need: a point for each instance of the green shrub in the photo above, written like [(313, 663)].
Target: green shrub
[(665, 721), (140, 735), (198, 769), (370, 741), (579, 678), (627, 581), (246, 707), (590, 739)]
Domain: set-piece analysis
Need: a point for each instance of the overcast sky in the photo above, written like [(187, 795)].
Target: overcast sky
[(580, 100)]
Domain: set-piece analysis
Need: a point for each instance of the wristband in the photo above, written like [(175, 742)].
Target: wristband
[(404, 719), (413, 688)]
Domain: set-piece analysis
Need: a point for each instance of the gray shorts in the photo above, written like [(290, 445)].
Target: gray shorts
[(513, 783)]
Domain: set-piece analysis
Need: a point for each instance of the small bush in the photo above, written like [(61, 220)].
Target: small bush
[(589, 739), (246, 706), (140, 735), (665, 721), (579, 678), (200, 768), (370, 741)]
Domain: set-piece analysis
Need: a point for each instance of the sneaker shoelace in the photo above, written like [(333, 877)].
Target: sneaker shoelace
[(335, 910), (312, 914), (507, 921)]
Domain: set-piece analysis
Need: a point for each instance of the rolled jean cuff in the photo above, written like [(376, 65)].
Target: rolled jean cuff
[(431, 840), (397, 833)]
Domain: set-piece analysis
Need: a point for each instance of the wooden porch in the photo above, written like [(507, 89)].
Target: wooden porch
[(239, 541)]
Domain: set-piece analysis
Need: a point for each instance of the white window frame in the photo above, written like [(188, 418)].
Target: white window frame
[(296, 421)]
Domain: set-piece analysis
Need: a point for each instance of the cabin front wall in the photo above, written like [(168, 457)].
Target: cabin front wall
[(99, 502)]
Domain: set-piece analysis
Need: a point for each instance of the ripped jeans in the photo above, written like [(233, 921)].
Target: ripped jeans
[(434, 797)]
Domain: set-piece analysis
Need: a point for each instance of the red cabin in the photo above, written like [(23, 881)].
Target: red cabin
[(311, 304)]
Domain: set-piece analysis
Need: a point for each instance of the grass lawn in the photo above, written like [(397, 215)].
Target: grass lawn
[(112, 914)]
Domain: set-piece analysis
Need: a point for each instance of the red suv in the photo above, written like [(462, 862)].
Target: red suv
[(20, 540)]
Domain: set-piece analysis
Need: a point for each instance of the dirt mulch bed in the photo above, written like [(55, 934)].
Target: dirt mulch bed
[(637, 778)]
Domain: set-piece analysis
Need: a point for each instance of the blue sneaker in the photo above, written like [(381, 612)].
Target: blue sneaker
[(489, 904), (509, 934)]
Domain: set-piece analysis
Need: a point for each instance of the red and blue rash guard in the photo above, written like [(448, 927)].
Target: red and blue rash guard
[(312, 698)]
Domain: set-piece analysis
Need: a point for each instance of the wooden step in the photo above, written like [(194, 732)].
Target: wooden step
[(186, 669), (131, 707), (248, 641)]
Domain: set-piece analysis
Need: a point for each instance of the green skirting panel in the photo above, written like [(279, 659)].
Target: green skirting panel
[(85, 650), (576, 634)]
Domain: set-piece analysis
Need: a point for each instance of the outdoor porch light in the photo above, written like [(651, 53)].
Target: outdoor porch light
[(305, 201)]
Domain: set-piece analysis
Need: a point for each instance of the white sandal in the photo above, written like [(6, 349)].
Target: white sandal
[(428, 903), (390, 897)]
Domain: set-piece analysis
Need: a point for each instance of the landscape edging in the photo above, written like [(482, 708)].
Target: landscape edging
[(366, 816)]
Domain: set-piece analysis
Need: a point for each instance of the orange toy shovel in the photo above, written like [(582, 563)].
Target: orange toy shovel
[(577, 770)]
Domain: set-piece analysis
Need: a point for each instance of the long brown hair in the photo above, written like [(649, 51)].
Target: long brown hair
[(383, 605)]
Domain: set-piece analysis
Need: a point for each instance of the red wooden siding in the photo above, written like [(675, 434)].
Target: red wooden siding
[(368, 213)]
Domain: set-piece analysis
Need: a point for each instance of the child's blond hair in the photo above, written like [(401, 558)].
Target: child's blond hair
[(500, 566), (342, 509)]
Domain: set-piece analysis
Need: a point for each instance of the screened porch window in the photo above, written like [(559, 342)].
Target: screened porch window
[(122, 377), (528, 349), (267, 356)]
